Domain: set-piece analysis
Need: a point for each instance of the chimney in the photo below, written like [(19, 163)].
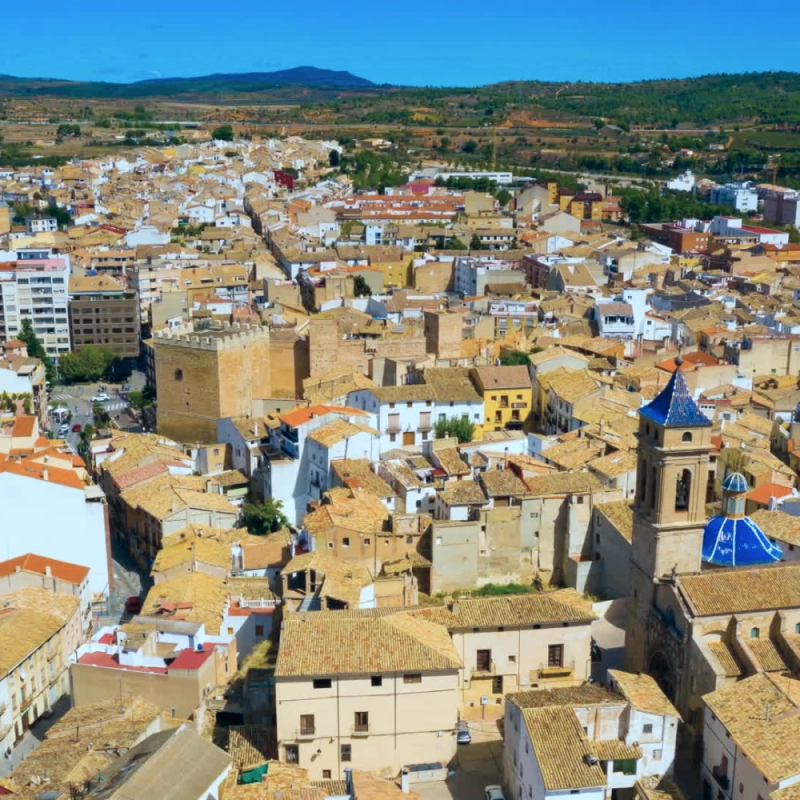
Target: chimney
[(404, 780), (255, 428), (48, 572), (45, 474), (348, 782)]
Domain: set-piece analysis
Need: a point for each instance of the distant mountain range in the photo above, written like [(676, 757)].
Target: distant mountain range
[(205, 84)]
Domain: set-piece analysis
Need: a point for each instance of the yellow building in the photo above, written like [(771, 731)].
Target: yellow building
[(5, 217), (507, 396), (586, 205)]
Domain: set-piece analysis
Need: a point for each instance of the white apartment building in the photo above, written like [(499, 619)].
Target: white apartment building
[(473, 274), (34, 287), (742, 196)]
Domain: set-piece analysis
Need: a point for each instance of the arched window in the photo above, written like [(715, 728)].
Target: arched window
[(687, 437), (754, 633), (683, 490)]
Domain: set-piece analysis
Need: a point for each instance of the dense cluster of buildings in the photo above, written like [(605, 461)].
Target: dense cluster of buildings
[(483, 435)]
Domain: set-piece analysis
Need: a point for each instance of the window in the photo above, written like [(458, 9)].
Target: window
[(346, 541), (306, 724), (292, 754), (259, 630), (322, 683), (178, 374), (797, 628), (361, 721), (555, 655), (377, 680), (230, 631), (657, 755), (648, 728), (683, 489), (483, 660), (346, 753), (497, 684), (687, 437), (754, 633), (512, 659), (367, 542), (326, 774), (412, 677)]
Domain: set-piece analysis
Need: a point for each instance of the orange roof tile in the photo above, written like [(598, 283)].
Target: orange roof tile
[(23, 426), (299, 416), (761, 494), (31, 469), (30, 562)]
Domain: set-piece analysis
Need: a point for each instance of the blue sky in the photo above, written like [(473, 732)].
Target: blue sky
[(412, 42)]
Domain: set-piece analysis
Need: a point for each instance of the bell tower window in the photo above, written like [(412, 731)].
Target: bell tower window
[(683, 490)]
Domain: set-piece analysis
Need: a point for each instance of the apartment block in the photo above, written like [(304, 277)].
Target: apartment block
[(34, 287), (103, 312)]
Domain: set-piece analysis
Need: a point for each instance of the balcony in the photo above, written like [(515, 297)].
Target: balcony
[(361, 729), (393, 427), (482, 673), (306, 732), (554, 672), (519, 405)]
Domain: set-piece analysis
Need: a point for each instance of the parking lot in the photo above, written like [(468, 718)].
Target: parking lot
[(477, 765)]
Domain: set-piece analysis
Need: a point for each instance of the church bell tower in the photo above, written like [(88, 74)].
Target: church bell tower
[(669, 509)]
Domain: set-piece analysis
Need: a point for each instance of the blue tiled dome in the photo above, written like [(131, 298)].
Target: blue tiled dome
[(731, 542), (735, 482)]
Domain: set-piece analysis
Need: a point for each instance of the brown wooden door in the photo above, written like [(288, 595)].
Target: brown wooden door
[(483, 660), (408, 437)]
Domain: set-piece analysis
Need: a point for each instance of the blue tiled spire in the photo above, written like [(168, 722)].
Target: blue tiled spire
[(674, 407)]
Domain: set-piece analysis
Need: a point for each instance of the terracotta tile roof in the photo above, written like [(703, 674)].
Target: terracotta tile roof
[(643, 693), (561, 747), (565, 605), (24, 426), (764, 721), (208, 596), (762, 493), (337, 431), (32, 469), (452, 384), (362, 513), (251, 745), (461, 493), (502, 483), (740, 590), (574, 453), (449, 459), (727, 659), (300, 416), (515, 377), (22, 632), (657, 787), (312, 644), (778, 525), (615, 750), (620, 514), (203, 550), (766, 655), (564, 483), (356, 474), (64, 571)]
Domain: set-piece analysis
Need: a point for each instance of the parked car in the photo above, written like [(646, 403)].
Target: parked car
[(494, 793), (133, 605), (100, 397), (462, 733), (76, 428), (63, 429)]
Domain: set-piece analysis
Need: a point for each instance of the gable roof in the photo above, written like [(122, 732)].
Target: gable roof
[(30, 562), (314, 644)]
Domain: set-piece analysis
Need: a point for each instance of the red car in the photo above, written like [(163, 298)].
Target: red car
[(76, 428), (133, 605)]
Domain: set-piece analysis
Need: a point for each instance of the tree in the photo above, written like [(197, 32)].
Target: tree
[(89, 363), (475, 242), (139, 400), (455, 244), (361, 287), (503, 197), (460, 427), (36, 349), (224, 133), (513, 358), (333, 158), (263, 518)]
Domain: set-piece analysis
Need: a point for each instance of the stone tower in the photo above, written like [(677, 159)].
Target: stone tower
[(669, 509), (203, 376)]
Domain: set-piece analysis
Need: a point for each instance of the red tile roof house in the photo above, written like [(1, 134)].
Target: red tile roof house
[(59, 577), (169, 662)]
